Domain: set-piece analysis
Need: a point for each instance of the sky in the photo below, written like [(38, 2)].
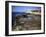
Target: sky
[(24, 8)]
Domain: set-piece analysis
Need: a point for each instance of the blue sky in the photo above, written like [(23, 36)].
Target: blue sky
[(24, 8)]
